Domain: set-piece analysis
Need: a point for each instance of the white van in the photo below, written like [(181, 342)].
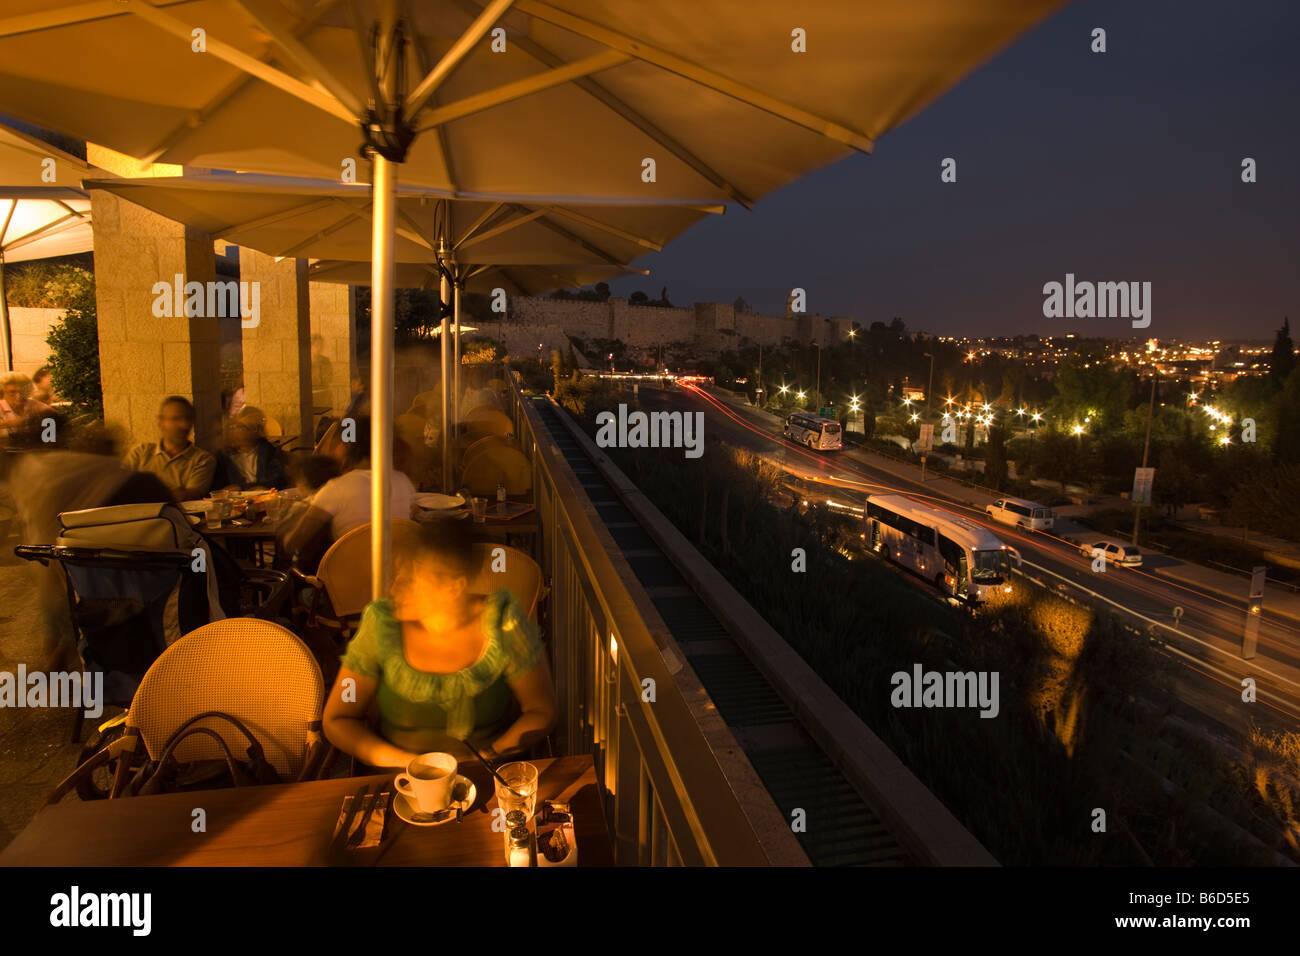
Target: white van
[(1020, 513)]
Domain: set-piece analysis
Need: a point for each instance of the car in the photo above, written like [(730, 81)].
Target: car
[(1020, 513), (1112, 551)]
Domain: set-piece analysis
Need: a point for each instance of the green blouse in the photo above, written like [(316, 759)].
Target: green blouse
[(415, 707)]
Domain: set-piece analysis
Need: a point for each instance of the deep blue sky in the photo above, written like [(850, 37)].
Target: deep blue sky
[(1117, 166)]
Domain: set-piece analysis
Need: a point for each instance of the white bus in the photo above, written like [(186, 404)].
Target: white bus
[(819, 434), (963, 559)]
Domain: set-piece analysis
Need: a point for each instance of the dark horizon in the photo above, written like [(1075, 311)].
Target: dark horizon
[(1122, 166)]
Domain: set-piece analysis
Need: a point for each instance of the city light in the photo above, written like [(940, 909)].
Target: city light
[(1078, 429), (1020, 412), (1037, 416), (914, 416), (1225, 440), (800, 395)]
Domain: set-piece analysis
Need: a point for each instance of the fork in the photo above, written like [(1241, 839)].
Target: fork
[(339, 841), (360, 833)]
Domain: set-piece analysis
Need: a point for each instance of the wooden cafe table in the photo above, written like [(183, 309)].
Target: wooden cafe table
[(292, 825)]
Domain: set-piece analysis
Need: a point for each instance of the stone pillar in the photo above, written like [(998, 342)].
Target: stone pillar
[(144, 357), (277, 363), (334, 319)]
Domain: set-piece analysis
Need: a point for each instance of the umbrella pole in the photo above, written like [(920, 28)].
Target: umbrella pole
[(455, 382), (444, 339), (381, 373), (6, 337)]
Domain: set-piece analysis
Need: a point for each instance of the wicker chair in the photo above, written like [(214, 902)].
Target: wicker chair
[(522, 576), (254, 670), (343, 576)]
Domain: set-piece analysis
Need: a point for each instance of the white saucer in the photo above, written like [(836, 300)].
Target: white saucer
[(403, 807)]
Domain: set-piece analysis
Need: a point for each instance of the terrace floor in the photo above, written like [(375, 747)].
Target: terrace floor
[(35, 748)]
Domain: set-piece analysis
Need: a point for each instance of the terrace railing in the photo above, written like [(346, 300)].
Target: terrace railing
[(671, 781)]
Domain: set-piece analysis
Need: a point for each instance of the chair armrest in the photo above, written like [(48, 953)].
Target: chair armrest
[(122, 747)]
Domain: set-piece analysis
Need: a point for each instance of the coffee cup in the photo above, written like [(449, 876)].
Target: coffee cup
[(427, 781)]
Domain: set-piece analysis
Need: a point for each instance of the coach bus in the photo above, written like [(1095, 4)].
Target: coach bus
[(819, 434), (963, 560)]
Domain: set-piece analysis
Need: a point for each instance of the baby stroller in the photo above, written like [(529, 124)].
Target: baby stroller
[(138, 577)]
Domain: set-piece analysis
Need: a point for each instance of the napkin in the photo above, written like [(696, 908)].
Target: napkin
[(374, 826)]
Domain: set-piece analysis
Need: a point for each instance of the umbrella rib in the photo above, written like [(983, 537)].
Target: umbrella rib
[(698, 74), (13, 207), (69, 16), (285, 37), (420, 236), (273, 218), (519, 89), (605, 227), (529, 216), (52, 228), (478, 223), (591, 247), (227, 94), (418, 97), (444, 149), (329, 230), (249, 64), (594, 89)]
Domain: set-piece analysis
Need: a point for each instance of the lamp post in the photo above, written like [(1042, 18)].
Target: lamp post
[(930, 385), (1146, 450)]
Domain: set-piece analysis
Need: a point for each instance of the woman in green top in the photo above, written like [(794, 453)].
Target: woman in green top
[(441, 663)]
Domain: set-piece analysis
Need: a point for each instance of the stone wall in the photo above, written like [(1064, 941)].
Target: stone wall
[(706, 326), (29, 327)]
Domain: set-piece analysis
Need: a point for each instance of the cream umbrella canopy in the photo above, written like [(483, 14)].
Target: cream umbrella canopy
[(540, 243), (42, 213), (600, 99)]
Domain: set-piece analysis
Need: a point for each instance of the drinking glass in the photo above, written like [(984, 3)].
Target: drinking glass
[(212, 515), (522, 778), (479, 506)]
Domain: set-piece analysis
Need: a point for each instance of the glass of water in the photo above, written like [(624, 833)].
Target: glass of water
[(522, 779)]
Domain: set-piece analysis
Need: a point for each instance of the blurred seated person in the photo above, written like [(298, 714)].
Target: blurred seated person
[(185, 468), (17, 406), (442, 664), (249, 459), (43, 386), (343, 503), (310, 473)]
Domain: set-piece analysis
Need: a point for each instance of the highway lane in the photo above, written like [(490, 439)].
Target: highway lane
[(1206, 640)]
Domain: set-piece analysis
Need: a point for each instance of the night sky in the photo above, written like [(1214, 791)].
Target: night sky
[(1123, 166)]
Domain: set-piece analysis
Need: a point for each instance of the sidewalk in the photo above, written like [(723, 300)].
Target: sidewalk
[(1277, 600)]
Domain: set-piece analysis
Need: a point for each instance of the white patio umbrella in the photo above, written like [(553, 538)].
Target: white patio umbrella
[(42, 213), (310, 218), (679, 100)]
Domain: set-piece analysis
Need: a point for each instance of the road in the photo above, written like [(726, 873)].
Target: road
[(1206, 641)]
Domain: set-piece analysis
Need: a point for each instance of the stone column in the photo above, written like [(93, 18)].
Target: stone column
[(334, 319), (277, 364), (144, 357)]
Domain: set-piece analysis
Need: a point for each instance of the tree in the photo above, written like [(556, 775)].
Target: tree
[(995, 461), (602, 291), (638, 298), (740, 305), (74, 348), (1282, 362)]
